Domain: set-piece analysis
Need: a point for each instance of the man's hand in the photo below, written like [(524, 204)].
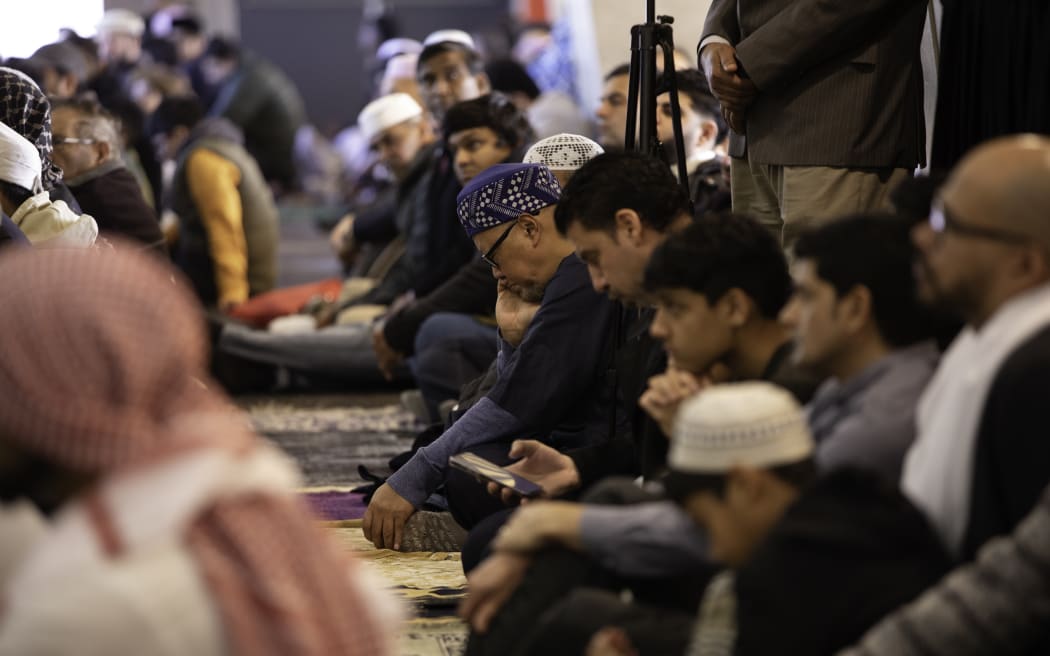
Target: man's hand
[(735, 92), (385, 518), (552, 470), (513, 315), (342, 239), (666, 393), (537, 525), (387, 358), (489, 586), (611, 641)]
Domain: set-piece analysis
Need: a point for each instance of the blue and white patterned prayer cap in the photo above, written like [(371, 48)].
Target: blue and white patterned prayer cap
[(502, 193)]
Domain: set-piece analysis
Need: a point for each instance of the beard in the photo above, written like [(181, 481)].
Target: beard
[(529, 292), (945, 302)]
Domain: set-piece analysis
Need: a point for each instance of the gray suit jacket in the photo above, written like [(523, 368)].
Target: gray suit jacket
[(840, 81)]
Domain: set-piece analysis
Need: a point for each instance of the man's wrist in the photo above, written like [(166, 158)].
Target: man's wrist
[(709, 40), (562, 524)]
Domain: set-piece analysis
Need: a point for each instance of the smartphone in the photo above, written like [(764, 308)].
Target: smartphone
[(479, 467)]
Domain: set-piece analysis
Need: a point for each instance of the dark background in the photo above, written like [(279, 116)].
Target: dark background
[(316, 43)]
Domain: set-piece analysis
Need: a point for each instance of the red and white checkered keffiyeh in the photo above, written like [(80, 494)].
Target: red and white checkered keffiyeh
[(103, 370)]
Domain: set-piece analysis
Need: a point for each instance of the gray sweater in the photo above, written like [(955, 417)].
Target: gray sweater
[(996, 605)]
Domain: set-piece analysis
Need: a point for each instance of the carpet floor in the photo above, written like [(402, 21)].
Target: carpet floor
[(329, 436)]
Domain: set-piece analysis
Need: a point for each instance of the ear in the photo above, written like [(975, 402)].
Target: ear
[(104, 151), (531, 228), (735, 307), (789, 313), (855, 307), (629, 227), (484, 85), (708, 134)]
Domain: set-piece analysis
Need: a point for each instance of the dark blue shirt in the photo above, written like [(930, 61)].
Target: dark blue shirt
[(553, 383)]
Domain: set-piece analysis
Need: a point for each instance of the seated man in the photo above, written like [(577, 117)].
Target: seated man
[(227, 244), (440, 334), (611, 115), (858, 321), (164, 525), (997, 604), (46, 223), (404, 142), (723, 277), (702, 130), (262, 101), (481, 132), (86, 145), (25, 109), (981, 458), (440, 329), (551, 386), (814, 562)]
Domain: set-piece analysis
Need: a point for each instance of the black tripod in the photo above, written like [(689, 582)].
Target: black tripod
[(645, 38)]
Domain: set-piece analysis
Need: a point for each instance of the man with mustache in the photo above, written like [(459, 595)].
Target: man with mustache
[(981, 457)]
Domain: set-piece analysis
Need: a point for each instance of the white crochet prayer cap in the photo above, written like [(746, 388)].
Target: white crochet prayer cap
[(398, 46), (400, 67), (121, 21), (752, 424), (386, 112), (450, 36), (19, 160), (563, 152)]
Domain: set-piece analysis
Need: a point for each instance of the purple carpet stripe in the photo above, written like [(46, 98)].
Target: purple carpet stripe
[(335, 505)]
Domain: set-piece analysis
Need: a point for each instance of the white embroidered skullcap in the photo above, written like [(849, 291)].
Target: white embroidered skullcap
[(563, 152), (398, 46), (386, 112), (754, 424), (450, 36), (401, 66), (121, 21), (19, 160)]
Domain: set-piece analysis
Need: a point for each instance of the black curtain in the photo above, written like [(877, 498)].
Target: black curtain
[(994, 74)]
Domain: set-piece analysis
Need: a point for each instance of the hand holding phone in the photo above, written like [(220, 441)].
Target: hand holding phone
[(480, 468)]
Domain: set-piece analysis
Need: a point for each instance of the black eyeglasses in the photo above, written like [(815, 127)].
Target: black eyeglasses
[(486, 257), (942, 221)]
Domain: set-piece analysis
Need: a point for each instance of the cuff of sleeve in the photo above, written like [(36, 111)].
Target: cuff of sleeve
[(415, 480), (708, 40), (599, 526), (400, 331)]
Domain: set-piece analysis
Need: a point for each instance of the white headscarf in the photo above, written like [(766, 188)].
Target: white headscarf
[(19, 160)]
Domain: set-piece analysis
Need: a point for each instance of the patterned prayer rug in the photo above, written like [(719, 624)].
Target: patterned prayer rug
[(431, 584), (330, 435)]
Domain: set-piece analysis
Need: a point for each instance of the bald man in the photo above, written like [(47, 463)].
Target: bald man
[(982, 455)]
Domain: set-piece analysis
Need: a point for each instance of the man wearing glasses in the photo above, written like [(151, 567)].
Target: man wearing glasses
[(982, 455), (87, 147), (552, 386)]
